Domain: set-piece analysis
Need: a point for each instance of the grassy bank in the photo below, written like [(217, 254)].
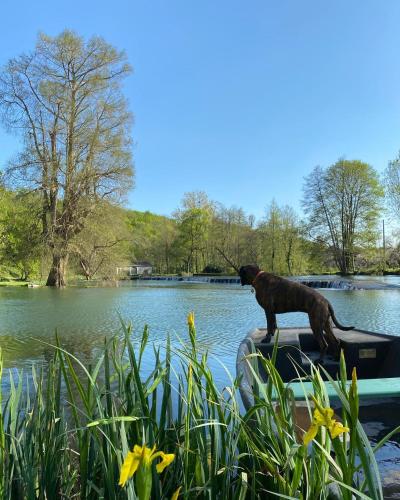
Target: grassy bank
[(13, 283), (69, 434)]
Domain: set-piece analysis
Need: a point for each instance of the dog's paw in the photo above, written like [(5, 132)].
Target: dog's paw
[(266, 339)]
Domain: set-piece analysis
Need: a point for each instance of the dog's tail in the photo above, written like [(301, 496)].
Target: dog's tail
[(341, 327)]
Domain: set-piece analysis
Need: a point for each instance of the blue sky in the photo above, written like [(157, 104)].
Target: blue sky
[(239, 99)]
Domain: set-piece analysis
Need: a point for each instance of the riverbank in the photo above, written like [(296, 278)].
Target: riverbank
[(16, 283)]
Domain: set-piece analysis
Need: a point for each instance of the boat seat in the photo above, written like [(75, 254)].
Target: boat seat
[(378, 388), (366, 353)]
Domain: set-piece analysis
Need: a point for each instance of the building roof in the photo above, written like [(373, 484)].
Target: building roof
[(143, 263)]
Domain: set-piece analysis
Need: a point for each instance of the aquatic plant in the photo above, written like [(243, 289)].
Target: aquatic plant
[(73, 431)]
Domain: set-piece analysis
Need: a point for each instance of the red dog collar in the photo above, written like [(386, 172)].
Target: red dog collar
[(257, 275)]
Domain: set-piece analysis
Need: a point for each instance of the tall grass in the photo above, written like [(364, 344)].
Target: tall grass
[(66, 433)]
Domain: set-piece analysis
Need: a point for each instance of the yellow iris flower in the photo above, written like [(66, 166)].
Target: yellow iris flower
[(353, 387), (354, 377), (175, 494), (141, 456), (323, 418), (190, 320)]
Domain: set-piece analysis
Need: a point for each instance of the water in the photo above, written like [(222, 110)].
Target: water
[(83, 317)]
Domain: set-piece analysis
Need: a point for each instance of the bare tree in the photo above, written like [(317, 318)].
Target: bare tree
[(65, 101)]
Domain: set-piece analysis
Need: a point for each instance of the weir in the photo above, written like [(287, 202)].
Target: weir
[(333, 284), (329, 283)]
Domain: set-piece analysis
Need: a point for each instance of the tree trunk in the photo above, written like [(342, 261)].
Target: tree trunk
[(85, 268), (57, 271)]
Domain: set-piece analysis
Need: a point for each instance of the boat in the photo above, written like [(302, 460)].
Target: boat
[(376, 357)]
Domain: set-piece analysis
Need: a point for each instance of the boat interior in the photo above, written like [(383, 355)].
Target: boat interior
[(374, 355)]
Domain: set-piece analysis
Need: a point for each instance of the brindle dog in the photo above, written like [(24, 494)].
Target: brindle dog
[(278, 295)]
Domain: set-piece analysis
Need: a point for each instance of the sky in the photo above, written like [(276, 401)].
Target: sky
[(238, 99)]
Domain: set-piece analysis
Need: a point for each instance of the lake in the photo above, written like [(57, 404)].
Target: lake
[(224, 314), (83, 317)]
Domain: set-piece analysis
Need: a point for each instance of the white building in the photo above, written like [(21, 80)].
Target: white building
[(138, 269)]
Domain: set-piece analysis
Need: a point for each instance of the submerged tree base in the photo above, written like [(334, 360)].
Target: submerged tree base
[(57, 272)]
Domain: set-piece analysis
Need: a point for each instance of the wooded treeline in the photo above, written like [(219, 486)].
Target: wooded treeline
[(194, 238), (60, 197), (341, 230)]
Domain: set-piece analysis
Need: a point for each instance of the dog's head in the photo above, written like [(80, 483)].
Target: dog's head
[(247, 274)]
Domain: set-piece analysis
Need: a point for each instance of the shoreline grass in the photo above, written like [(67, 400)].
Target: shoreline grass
[(14, 283), (68, 434)]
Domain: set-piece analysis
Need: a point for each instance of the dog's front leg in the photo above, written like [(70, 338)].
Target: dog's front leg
[(271, 322), (271, 325)]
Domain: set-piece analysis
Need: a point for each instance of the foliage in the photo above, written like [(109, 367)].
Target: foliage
[(343, 203), (104, 243), (153, 238), (281, 241), (190, 240), (211, 269), (67, 434), (65, 100), (20, 233), (233, 232), (113, 237), (194, 220), (392, 185)]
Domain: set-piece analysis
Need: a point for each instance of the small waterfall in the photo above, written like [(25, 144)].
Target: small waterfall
[(333, 284)]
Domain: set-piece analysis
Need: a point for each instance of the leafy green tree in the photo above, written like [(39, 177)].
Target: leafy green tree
[(281, 241), (65, 100), (20, 232), (194, 219), (104, 244), (234, 236), (153, 240), (343, 204)]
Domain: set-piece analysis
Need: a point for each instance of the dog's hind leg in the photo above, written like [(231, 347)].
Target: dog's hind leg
[(333, 342), (319, 337)]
